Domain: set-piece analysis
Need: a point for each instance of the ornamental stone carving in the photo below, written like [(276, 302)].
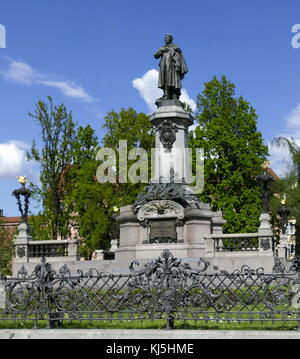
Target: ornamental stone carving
[(160, 209), (167, 134)]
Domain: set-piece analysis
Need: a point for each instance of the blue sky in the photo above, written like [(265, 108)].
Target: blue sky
[(95, 56)]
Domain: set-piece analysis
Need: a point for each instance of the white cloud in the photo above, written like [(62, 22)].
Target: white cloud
[(147, 87), (186, 98), (280, 160), (13, 160), (69, 89), (21, 72), (293, 123)]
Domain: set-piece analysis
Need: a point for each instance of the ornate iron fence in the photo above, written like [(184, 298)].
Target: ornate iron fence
[(165, 288)]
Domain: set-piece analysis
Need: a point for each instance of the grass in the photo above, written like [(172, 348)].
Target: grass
[(217, 324)]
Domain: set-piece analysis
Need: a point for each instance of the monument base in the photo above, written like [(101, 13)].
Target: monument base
[(146, 234)]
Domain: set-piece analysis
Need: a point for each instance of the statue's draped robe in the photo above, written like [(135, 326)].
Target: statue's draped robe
[(172, 67)]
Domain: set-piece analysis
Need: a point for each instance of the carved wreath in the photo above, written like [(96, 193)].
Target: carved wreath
[(167, 134)]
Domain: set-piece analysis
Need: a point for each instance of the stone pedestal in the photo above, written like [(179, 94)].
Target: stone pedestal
[(21, 242), (283, 246), (266, 232), (169, 215), (193, 224), (171, 156)]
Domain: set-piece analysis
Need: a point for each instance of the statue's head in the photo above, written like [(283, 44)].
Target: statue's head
[(168, 38)]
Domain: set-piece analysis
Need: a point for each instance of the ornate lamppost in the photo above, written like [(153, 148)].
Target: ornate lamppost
[(23, 235), (265, 181), (283, 213), (22, 192), (115, 229), (265, 229)]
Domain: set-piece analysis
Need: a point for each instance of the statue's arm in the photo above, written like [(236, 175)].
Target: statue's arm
[(160, 52)]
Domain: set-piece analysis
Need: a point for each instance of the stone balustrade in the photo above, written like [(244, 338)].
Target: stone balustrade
[(27, 250), (239, 242)]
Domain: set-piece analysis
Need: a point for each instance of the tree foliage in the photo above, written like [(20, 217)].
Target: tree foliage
[(136, 129), (54, 158), (88, 200), (289, 186), (74, 202), (94, 202), (6, 250), (234, 152)]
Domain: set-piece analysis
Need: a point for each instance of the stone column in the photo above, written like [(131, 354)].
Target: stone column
[(73, 250), (21, 242), (218, 223), (282, 246), (265, 229), (171, 122)]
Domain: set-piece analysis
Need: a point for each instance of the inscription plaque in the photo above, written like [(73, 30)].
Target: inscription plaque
[(163, 231)]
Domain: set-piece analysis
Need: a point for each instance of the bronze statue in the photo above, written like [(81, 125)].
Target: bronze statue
[(172, 69)]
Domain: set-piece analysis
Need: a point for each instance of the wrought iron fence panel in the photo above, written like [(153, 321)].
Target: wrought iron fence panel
[(165, 288)]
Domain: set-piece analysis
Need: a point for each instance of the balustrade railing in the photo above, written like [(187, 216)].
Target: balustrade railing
[(31, 251), (48, 250), (244, 242)]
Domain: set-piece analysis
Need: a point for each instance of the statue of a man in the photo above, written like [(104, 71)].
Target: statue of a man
[(172, 69)]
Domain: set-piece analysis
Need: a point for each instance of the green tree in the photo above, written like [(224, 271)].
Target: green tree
[(234, 152), (87, 199), (54, 158), (93, 202), (6, 250), (290, 184), (138, 131)]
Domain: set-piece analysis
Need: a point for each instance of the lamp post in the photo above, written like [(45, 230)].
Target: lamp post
[(265, 181), (22, 192), (283, 247), (265, 229), (23, 236), (115, 231), (284, 213)]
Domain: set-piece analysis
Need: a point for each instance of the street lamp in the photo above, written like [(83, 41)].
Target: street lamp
[(115, 225), (284, 214), (22, 192), (265, 181)]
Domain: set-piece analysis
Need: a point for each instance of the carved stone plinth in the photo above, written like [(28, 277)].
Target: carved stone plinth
[(171, 124), (139, 241), (266, 232), (21, 242)]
